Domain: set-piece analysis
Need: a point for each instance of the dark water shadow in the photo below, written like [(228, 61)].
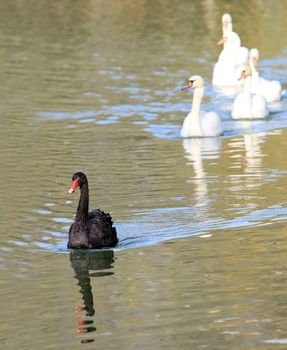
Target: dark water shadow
[(83, 262)]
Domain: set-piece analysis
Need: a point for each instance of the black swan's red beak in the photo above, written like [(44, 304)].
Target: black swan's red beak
[(74, 185)]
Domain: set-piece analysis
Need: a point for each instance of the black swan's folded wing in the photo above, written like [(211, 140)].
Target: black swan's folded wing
[(100, 230)]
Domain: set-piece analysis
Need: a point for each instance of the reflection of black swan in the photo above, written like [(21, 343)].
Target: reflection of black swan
[(83, 262), (89, 230)]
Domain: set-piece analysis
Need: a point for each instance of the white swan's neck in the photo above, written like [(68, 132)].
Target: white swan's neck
[(227, 28), (255, 77), (247, 85), (196, 102), (193, 119)]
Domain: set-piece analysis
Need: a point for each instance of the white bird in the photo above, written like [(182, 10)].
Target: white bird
[(199, 123), (233, 54), (224, 72), (248, 105), (227, 27), (270, 89)]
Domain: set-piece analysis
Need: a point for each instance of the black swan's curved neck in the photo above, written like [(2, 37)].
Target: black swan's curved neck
[(83, 206)]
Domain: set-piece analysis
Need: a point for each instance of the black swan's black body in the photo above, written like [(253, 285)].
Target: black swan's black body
[(90, 230)]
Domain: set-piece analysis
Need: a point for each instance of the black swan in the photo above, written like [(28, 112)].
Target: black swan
[(89, 230)]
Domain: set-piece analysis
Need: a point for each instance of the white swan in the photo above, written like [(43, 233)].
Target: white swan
[(198, 123), (232, 54), (227, 27), (224, 72), (247, 105), (270, 89)]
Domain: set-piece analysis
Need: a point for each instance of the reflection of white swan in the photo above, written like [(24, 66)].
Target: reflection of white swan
[(270, 89), (247, 105), (253, 152), (198, 123), (198, 149)]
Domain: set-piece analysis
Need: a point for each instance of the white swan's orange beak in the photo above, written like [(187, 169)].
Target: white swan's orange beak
[(74, 185), (222, 41), (254, 60), (187, 85)]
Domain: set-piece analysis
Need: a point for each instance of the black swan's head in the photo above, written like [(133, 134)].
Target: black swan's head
[(78, 179)]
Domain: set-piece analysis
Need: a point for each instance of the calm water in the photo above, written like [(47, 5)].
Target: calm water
[(95, 86)]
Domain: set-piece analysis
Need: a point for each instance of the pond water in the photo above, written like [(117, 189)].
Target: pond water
[(94, 85)]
